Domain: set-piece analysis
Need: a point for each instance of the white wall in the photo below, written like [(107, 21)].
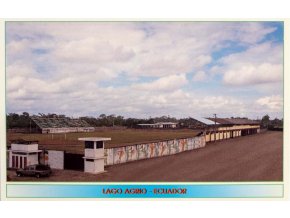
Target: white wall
[(10, 159), (91, 153), (89, 166), (24, 147), (32, 159), (56, 159), (149, 150), (96, 166)]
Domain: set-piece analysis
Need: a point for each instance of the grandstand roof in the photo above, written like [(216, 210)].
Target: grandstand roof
[(234, 121), (204, 121), (58, 122)]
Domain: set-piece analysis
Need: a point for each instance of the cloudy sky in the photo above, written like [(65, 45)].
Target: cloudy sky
[(142, 69)]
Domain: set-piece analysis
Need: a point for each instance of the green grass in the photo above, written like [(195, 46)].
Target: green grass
[(69, 141)]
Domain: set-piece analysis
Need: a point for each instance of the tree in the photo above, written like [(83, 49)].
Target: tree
[(111, 119), (25, 114), (265, 121), (102, 116), (18, 121)]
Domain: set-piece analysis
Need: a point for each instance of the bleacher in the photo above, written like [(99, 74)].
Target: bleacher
[(59, 123)]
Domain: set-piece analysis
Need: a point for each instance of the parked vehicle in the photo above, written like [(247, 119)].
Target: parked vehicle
[(36, 170)]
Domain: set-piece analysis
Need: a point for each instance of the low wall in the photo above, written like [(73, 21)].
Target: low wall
[(56, 159), (67, 130), (150, 150)]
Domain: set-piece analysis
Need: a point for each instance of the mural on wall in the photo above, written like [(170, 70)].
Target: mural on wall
[(174, 148), (150, 150), (163, 148), (197, 143), (202, 142), (190, 144), (109, 156), (153, 150), (131, 152), (120, 155), (182, 144), (142, 151)]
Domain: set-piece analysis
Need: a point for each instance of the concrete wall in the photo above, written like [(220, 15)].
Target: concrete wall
[(67, 130), (89, 166), (24, 147), (56, 159), (92, 153), (30, 158), (151, 150), (95, 166)]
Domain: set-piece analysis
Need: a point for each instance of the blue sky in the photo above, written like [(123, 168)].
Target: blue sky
[(142, 69)]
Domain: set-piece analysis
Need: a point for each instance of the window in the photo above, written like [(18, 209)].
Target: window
[(20, 161), (89, 144), (100, 144), (90, 160), (25, 161), (13, 161), (41, 167), (16, 161)]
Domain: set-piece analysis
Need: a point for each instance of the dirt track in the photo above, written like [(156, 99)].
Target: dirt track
[(251, 158)]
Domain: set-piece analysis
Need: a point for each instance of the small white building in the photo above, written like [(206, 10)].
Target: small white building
[(94, 154), (160, 125), (23, 153)]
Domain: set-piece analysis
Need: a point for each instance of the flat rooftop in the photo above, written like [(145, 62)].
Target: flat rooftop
[(23, 142), (95, 139)]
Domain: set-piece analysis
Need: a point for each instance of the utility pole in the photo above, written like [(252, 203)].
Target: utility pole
[(214, 127)]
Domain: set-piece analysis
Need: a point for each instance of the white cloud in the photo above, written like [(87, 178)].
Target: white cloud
[(274, 102), (167, 83), (253, 32), (201, 61), (254, 74), (199, 76), (70, 68), (260, 64)]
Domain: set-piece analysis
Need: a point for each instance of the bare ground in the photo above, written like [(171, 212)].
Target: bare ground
[(251, 158)]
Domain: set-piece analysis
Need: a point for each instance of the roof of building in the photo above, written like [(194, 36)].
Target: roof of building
[(205, 121), (58, 122), (94, 139), (156, 124), (233, 121), (166, 123), (23, 142)]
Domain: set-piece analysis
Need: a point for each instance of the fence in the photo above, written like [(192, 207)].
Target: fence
[(150, 150)]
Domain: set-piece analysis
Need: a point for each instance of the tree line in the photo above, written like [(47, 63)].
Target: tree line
[(14, 120)]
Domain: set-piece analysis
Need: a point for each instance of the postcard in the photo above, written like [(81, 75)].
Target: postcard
[(155, 109)]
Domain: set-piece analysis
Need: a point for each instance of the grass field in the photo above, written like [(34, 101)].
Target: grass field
[(69, 141)]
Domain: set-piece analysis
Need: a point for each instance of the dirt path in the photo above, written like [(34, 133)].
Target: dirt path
[(251, 158)]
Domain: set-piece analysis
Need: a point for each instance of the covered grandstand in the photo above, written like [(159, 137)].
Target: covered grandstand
[(224, 128), (233, 121), (60, 125)]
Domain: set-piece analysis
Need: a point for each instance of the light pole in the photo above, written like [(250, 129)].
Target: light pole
[(214, 127)]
